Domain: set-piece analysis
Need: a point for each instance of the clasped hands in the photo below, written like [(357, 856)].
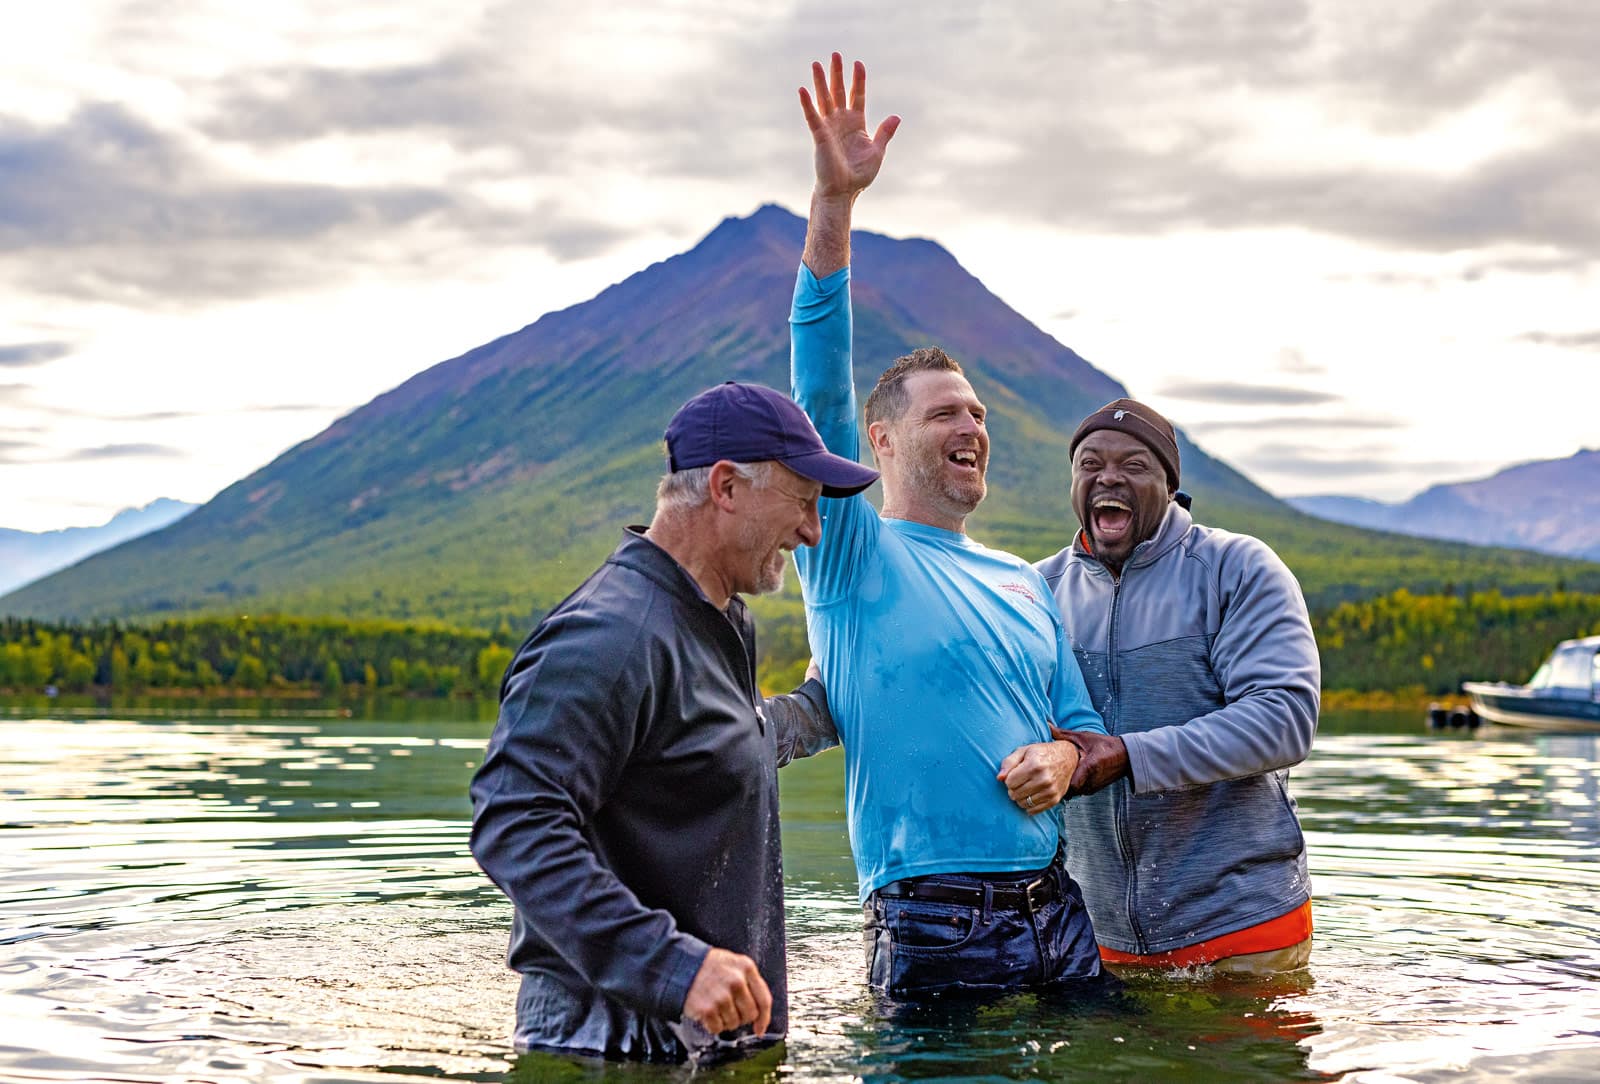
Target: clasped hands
[(1039, 776)]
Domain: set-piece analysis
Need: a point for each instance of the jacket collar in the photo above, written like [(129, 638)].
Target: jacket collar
[(1174, 525), (643, 556)]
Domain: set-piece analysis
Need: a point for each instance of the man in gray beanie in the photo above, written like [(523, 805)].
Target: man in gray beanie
[(1198, 653)]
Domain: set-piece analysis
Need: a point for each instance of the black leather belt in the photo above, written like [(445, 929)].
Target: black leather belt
[(1015, 895)]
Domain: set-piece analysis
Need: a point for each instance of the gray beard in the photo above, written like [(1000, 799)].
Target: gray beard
[(766, 581)]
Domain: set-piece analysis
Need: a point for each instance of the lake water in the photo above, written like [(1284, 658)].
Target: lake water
[(291, 898)]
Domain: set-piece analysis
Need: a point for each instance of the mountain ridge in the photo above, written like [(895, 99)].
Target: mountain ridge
[(483, 488), (1548, 505), (26, 556)]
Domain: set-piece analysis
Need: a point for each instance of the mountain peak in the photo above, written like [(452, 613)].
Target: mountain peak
[(1551, 505), (445, 494)]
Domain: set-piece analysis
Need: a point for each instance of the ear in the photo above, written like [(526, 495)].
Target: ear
[(721, 485), (879, 441)]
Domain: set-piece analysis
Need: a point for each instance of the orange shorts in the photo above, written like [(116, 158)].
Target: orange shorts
[(1269, 936)]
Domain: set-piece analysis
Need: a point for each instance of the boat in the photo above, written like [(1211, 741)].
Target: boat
[(1563, 694)]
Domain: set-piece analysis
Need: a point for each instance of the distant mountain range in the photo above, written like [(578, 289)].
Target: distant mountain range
[(25, 555), (485, 488), (1552, 506)]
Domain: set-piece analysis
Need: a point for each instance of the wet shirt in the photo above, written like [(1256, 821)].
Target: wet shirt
[(628, 807), (940, 655)]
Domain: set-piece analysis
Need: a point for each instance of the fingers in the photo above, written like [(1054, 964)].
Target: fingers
[(728, 991), (1081, 782), (743, 999), (813, 119), (886, 131), (828, 94), (819, 81), (1036, 776), (1035, 800), (763, 997)]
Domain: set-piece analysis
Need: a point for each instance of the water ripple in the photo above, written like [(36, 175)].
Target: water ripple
[(239, 900)]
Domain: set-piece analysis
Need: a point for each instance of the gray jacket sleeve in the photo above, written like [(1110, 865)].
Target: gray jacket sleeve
[(1265, 659), (574, 706), (802, 722)]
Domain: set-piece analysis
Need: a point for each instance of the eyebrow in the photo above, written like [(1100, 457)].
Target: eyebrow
[(954, 404)]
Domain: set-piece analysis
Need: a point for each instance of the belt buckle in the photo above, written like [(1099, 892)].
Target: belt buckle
[(1040, 883)]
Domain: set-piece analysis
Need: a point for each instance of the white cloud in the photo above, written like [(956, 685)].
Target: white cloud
[(1364, 202)]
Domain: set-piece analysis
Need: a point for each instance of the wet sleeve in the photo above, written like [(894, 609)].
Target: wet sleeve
[(801, 722), (1265, 657), (821, 381), (576, 701)]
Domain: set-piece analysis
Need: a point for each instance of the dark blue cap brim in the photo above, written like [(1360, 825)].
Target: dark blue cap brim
[(840, 477)]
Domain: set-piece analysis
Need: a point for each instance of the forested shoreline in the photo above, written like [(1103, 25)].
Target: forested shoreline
[(254, 654), (1427, 644), (1435, 642)]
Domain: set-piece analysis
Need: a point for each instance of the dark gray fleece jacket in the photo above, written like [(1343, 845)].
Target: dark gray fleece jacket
[(628, 807)]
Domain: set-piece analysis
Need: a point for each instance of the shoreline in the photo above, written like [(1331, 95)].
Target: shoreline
[(316, 701)]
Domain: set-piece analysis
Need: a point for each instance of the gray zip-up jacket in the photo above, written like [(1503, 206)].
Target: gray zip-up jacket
[(1201, 658)]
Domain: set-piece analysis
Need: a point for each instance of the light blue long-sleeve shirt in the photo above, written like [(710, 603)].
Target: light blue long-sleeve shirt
[(940, 655)]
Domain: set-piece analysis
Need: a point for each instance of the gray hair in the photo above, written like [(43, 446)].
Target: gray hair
[(686, 489)]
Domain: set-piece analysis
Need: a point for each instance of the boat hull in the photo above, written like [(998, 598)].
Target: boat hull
[(1516, 705)]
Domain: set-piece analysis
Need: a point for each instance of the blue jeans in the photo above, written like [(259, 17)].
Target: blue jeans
[(921, 946)]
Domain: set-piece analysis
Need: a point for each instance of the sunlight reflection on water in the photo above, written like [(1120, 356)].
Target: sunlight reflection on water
[(250, 900)]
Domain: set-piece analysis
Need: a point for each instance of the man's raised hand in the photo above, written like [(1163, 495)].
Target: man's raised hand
[(847, 158)]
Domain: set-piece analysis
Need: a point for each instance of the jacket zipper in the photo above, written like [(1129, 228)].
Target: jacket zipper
[(752, 690), (1124, 795)]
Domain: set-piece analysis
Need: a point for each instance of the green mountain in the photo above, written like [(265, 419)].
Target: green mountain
[(486, 487)]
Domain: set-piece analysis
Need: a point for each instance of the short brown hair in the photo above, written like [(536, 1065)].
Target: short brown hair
[(889, 399)]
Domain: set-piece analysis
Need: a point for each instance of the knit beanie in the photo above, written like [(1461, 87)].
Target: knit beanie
[(1139, 421)]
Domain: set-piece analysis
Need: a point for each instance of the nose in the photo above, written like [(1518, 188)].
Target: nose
[(810, 530)]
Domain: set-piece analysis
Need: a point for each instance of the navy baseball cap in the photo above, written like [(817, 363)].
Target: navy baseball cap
[(749, 423)]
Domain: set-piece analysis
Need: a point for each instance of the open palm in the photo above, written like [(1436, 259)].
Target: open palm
[(847, 158)]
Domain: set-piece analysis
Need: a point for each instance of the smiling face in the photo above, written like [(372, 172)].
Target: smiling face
[(1119, 492), (780, 517), (935, 455)]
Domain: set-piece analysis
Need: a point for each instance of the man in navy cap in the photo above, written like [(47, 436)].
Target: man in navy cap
[(628, 801)]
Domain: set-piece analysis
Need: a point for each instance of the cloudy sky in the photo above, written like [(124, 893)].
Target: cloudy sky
[(1351, 246)]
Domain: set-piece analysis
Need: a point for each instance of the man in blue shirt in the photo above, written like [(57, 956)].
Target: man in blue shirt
[(945, 661)]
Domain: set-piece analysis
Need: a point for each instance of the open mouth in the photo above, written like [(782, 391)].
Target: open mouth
[(966, 457), (1111, 519)]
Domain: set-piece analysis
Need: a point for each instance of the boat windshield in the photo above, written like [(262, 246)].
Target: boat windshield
[(1571, 672)]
